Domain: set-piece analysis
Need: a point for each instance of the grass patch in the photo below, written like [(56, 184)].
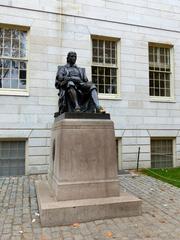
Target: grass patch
[(169, 175)]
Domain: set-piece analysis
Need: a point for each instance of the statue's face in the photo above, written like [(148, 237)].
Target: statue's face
[(72, 58)]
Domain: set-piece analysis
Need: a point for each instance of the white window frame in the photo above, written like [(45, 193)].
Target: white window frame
[(171, 98), (12, 91), (117, 40)]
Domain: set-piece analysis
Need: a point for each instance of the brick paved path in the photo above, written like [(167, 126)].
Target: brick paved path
[(160, 220)]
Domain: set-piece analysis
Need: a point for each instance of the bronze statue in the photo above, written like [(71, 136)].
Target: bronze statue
[(76, 94)]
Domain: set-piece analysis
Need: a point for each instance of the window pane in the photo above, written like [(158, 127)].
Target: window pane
[(15, 34), (15, 53), (22, 53), (114, 89), (101, 71), (6, 83), (168, 92), (94, 43), (14, 83), (101, 88), (94, 80), (107, 71), (107, 80), (150, 57), (151, 92), (95, 52), (7, 33), (107, 56), (114, 80), (22, 74), (101, 80), (157, 92), (14, 73), (22, 65), (7, 52), (108, 89), (107, 44), (101, 43), (14, 64), (6, 72), (162, 84), (6, 63), (162, 92), (22, 84), (167, 84), (113, 54), (23, 36), (95, 59), (1, 32), (113, 72), (94, 70), (15, 43)]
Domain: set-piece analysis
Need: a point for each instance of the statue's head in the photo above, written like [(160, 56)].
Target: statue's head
[(71, 58)]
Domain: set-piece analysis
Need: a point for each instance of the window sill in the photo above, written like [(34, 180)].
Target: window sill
[(109, 97), (14, 93), (162, 99)]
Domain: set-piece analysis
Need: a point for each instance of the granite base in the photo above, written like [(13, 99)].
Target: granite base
[(53, 213)]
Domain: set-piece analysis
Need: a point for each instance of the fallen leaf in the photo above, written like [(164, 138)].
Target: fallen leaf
[(76, 225), (162, 221), (177, 212), (108, 234), (43, 237)]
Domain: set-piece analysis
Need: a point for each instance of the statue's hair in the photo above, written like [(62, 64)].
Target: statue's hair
[(68, 55)]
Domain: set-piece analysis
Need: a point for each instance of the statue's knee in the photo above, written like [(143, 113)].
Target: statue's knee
[(93, 87), (70, 84)]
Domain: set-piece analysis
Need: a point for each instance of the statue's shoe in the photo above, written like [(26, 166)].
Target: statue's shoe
[(77, 109), (100, 109)]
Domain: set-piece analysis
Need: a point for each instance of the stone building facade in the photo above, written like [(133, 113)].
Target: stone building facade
[(130, 49)]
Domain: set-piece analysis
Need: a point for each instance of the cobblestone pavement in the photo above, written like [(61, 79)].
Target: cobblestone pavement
[(19, 218)]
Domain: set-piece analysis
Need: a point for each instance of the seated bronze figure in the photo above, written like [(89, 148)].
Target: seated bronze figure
[(76, 94)]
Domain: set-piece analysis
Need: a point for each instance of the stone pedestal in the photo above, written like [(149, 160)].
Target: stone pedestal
[(83, 183)]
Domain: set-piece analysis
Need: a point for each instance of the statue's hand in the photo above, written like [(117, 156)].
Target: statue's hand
[(64, 81), (76, 80), (67, 79)]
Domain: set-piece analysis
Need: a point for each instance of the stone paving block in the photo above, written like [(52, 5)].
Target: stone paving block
[(5, 237), (160, 219)]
